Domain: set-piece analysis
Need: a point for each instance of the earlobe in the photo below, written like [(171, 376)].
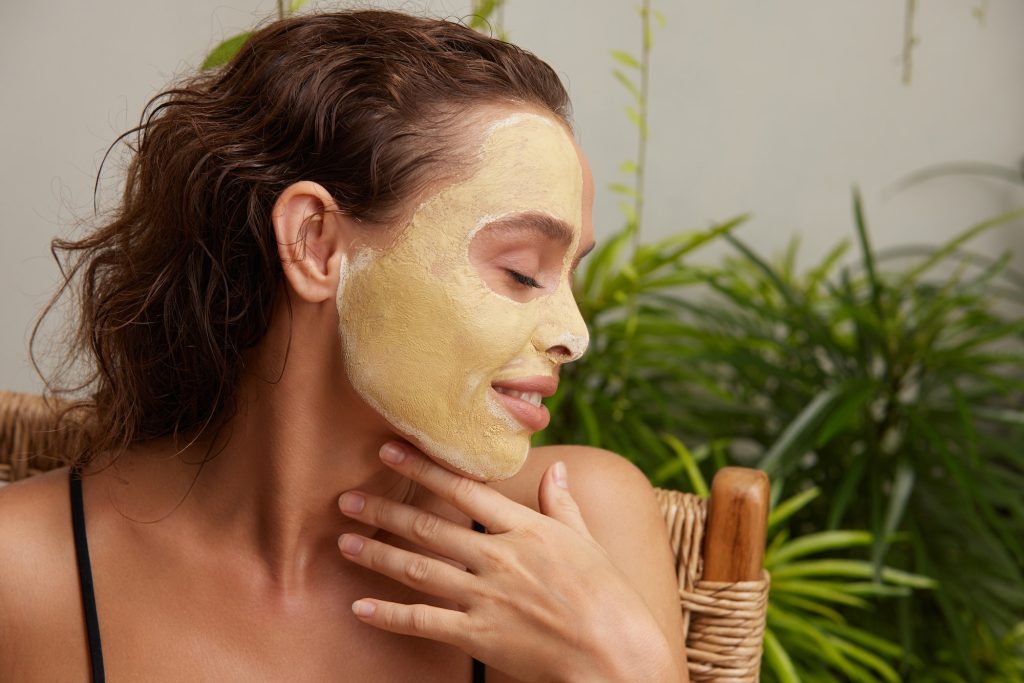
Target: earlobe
[(310, 240)]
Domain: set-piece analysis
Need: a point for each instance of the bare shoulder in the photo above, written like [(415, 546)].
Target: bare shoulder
[(35, 519), (601, 481), (615, 498), (37, 570)]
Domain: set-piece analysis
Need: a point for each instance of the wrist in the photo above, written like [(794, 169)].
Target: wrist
[(629, 657)]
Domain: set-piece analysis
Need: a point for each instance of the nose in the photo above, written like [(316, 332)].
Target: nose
[(562, 334)]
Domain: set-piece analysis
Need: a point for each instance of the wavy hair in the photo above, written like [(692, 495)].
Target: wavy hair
[(180, 278)]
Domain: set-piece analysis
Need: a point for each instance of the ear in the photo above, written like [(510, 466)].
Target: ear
[(313, 237)]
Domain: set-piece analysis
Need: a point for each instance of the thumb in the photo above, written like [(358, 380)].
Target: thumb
[(556, 501)]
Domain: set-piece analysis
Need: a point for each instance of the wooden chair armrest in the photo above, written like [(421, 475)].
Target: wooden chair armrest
[(737, 525)]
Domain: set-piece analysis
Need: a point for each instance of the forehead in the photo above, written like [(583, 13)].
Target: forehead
[(525, 162)]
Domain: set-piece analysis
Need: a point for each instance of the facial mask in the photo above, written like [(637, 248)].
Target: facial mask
[(424, 337)]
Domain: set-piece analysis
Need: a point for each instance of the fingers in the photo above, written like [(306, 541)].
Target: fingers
[(425, 529), (424, 621), (556, 501), (424, 574), (485, 505)]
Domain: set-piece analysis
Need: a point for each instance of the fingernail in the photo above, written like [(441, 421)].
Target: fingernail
[(352, 503), (391, 453), (560, 476), (361, 608), (350, 545)]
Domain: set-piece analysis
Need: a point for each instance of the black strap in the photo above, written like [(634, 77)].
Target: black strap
[(479, 668), (92, 622)]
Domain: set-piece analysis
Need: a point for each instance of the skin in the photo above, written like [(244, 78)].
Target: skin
[(233, 570), (426, 331)]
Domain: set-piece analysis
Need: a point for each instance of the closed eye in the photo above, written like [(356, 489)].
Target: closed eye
[(525, 280)]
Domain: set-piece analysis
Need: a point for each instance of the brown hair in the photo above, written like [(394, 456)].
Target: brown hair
[(181, 277)]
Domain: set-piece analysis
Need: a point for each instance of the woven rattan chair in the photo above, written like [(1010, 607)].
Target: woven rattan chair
[(718, 543)]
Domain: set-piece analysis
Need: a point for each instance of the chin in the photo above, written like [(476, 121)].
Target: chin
[(502, 460)]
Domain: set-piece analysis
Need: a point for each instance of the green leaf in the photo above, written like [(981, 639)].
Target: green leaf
[(952, 245), (847, 411), (902, 487), (820, 590), (817, 543), (481, 12), (295, 6), (633, 115), (627, 83), (971, 168), (603, 261), (794, 440), (778, 659), (868, 659), (223, 53), (625, 59), (852, 569), (700, 486), (867, 253), (860, 636), (811, 606), (790, 507), (623, 189), (847, 490)]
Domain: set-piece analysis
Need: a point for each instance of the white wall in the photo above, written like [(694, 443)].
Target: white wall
[(771, 107)]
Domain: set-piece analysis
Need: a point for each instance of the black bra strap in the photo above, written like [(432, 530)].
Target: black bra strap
[(92, 622)]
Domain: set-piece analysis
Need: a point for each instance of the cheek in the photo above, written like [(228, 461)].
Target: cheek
[(502, 328)]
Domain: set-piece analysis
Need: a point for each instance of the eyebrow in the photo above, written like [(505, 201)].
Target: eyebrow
[(552, 228)]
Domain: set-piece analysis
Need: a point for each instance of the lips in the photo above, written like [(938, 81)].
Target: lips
[(521, 397)]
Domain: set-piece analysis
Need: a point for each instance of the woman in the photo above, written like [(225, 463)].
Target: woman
[(320, 325)]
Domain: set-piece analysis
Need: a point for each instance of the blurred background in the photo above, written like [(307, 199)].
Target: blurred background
[(809, 217), (774, 108)]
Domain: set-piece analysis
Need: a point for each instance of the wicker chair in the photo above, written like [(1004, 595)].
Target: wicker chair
[(718, 543)]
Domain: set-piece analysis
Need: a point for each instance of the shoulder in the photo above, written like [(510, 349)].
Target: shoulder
[(35, 518), (615, 498), (36, 574), (599, 480)]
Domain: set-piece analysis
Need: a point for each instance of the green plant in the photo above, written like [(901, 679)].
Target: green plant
[(488, 16), (227, 48), (892, 391), (807, 638), (623, 396), (902, 385)]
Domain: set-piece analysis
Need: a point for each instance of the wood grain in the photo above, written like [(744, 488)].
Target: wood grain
[(737, 524)]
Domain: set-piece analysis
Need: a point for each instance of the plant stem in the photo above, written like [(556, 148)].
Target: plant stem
[(622, 401), (280, 9), (641, 152), (909, 40)]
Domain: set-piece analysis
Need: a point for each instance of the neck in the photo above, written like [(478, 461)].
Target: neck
[(268, 489)]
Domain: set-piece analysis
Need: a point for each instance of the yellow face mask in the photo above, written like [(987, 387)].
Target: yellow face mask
[(438, 351)]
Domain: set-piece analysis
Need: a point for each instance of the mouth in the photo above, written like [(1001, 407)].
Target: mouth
[(533, 397), (521, 398)]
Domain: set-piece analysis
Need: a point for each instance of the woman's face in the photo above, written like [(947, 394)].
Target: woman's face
[(456, 330)]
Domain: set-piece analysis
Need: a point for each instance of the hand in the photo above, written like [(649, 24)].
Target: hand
[(540, 598)]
